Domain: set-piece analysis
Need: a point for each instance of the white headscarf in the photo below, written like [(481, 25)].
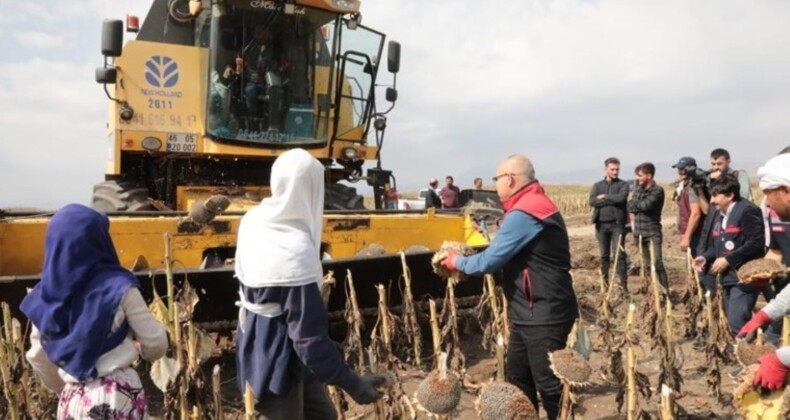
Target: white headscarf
[(775, 173), (279, 240)]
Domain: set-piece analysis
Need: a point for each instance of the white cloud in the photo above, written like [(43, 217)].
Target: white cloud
[(568, 82), (37, 39)]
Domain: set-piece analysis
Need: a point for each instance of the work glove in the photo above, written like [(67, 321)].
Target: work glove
[(772, 372), (758, 320), (368, 392), (450, 261)]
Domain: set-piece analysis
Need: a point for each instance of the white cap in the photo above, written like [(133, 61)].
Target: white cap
[(775, 173)]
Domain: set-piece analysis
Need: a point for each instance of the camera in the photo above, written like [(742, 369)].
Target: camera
[(698, 178)]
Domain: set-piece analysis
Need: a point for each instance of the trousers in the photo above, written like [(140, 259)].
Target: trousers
[(528, 365), (610, 235)]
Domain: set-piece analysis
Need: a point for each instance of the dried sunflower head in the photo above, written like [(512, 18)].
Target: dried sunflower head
[(749, 353), (504, 401), (439, 395), (459, 248), (761, 269), (570, 367)]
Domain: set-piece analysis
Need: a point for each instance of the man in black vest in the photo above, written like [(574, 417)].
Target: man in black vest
[(733, 234), (608, 197), (531, 248)]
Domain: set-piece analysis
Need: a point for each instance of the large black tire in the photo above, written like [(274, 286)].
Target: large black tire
[(120, 196), (342, 197)]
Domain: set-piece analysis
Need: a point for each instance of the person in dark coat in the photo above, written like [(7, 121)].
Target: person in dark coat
[(732, 235), (608, 198), (647, 204)]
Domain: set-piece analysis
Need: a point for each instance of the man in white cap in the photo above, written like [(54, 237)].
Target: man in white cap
[(775, 183)]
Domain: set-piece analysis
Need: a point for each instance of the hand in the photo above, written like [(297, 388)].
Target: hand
[(450, 261), (368, 393), (239, 64), (758, 320), (719, 265), (601, 196), (772, 373), (715, 175), (227, 72), (698, 264), (684, 243)]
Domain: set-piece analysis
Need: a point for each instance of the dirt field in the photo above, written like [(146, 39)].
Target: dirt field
[(595, 401)]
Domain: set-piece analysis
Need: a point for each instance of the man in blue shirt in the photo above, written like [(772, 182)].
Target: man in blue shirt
[(532, 250)]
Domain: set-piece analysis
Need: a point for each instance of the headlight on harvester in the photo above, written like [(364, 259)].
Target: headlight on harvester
[(151, 144), (349, 153)]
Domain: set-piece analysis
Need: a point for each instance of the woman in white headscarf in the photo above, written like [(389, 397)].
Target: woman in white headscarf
[(283, 347)]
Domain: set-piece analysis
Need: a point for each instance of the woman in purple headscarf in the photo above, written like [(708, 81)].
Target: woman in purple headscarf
[(90, 322)]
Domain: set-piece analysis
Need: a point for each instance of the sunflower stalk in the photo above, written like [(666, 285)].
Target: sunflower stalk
[(249, 402), (216, 387), (354, 318), (613, 272), (9, 388), (382, 334), (457, 361), (410, 325), (500, 358), (435, 333), (175, 324), (786, 331), (27, 388), (505, 319), (631, 366)]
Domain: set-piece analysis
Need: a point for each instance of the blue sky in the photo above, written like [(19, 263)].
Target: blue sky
[(567, 82)]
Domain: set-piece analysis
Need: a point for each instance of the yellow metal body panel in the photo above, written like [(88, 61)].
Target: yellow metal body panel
[(22, 241), (180, 108), (241, 198)]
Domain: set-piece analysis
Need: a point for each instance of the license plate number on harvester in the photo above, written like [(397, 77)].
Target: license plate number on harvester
[(181, 142)]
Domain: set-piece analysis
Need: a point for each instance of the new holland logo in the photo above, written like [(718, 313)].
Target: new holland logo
[(161, 71)]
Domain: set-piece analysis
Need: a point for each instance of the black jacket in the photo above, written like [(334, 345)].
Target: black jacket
[(432, 199), (612, 207), (647, 204), (742, 240)]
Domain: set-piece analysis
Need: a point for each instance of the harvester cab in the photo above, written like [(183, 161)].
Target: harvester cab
[(211, 92)]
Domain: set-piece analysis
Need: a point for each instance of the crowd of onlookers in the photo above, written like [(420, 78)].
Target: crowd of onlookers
[(719, 226)]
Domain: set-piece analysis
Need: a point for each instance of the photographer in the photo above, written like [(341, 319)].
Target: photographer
[(691, 188)]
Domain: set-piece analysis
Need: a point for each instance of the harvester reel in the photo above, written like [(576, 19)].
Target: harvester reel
[(121, 196)]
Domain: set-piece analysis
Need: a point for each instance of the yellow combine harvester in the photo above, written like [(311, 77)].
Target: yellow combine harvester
[(211, 92), (201, 103), (204, 256)]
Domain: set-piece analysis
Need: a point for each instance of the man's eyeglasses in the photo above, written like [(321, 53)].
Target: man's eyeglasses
[(496, 178)]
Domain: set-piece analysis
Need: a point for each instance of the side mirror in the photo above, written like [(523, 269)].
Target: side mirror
[(392, 94), (112, 38), (106, 75), (393, 57), (354, 21)]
